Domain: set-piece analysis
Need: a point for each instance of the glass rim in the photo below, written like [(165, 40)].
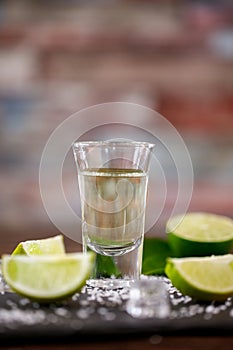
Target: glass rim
[(148, 145)]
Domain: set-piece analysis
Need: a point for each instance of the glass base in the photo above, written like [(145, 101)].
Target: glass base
[(109, 283)]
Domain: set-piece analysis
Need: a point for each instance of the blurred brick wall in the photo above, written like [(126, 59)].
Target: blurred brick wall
[(56, 58)]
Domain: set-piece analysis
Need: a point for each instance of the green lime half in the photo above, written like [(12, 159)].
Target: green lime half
[(47, 278), (206, 278), (47, 246), (200, 234)]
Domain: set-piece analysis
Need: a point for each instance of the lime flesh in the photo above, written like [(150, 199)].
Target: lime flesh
[(200, 234), (47, 278), (47, 246), (202, 278)]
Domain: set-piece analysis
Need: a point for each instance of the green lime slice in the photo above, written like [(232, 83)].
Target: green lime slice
[(200, 234), (206, 278), (47, 278), (47, 246)]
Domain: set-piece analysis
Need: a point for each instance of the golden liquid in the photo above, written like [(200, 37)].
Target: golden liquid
[(113, 209)]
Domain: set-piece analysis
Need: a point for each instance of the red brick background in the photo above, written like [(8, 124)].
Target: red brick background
[(58, 57)]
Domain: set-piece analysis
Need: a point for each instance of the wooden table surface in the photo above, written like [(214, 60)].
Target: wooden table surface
[(141, 342), (155, 342)]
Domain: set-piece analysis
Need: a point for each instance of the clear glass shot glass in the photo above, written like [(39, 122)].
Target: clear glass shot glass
[(148, 298), (113, 179)]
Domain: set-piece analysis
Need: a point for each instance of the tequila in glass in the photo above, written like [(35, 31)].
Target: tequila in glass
[(113, 202)]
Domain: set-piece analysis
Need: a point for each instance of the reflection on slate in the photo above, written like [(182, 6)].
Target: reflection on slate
[(95, 313)]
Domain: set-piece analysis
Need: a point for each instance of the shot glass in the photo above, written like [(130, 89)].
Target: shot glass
[(113, 179), (148, 299)]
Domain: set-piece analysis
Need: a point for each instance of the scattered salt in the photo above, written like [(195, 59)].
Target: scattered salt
[(102, 302), (17, 316)]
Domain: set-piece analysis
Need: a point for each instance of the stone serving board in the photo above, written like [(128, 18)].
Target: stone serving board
[(96, 313)]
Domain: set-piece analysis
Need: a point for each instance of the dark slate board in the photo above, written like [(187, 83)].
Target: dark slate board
[(81, 319)]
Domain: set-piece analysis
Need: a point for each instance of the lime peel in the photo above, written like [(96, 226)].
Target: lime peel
[(200, 234)]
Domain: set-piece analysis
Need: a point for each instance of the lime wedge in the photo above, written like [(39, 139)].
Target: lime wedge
[(207, 278), (200, 234), (47, 246), (49, 277)]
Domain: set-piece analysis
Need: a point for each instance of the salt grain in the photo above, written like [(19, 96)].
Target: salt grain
[(75, 297), (36, 305), (76, 324), (109, 316), (84, 302), (102, 310), (24, 301), (61, 311), (208, 316), (82, 313), (11, 304), (209, 309), (52, 318)]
